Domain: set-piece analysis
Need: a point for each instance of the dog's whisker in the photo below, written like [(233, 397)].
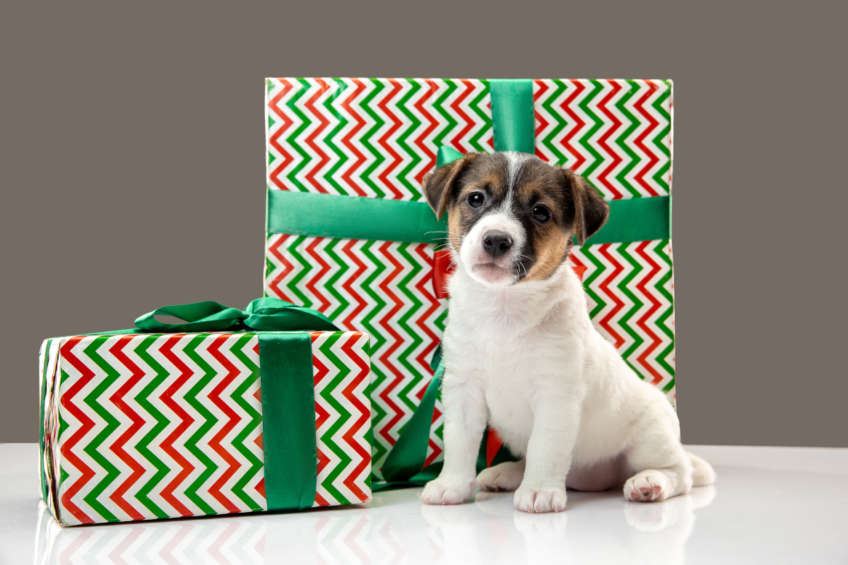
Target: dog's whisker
[(438, 237), (520, 264)]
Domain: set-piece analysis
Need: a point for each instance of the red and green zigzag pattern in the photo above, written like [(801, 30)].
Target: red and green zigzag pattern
[(342, 417), (378, 137), (616, 133), (385, 289), (630, 290), (163, 426), (382, 288), (369, 137)]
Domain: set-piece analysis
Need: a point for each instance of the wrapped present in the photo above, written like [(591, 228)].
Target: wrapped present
[(228, 411), (349, 232)]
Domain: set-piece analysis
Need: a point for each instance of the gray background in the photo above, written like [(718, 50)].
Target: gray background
[(133, 171)]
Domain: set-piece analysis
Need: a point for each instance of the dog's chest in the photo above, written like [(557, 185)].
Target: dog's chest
[(510, 412), (510, 370), (515, 347)]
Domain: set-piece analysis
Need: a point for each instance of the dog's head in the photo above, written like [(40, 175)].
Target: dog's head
[(512, 217)]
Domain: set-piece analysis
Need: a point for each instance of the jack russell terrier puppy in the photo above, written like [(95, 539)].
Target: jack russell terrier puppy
[(522, 355)]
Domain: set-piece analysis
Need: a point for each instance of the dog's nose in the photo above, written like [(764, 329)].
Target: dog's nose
[(496, 243)]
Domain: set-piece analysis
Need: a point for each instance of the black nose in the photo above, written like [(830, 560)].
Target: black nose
[(496, 243)]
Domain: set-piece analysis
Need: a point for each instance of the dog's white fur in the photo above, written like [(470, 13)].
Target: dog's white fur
[(526, 359)]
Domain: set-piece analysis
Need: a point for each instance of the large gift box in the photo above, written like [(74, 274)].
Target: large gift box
[(349, 232), (269, 412)]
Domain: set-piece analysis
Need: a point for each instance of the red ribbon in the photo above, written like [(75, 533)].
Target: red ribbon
[(442, 268)]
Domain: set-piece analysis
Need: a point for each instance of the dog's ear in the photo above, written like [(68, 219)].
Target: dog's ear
[(439, 184), (590, 209)]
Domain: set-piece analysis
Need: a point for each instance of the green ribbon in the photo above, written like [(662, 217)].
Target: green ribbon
[(513, 118), (286, 378), (288, 420), (262, 314), (408, 454), (354, 217)]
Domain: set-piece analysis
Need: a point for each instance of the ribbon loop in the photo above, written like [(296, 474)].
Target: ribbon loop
[(197, 317), (273, 314), (262, 314), (447, 154)]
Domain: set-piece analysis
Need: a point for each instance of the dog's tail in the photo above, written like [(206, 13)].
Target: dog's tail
[(702, 472)]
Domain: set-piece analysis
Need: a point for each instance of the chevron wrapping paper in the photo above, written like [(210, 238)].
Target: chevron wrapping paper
[(146, 426), (378, 138), (629, 290), (385, 289)]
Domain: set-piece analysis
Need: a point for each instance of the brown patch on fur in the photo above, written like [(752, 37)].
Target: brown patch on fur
[(488, 174), (454, 230), (539, 183), (535, 176), (579, 210), (441, 183), (494, 180), (551, 250), (590, 209)]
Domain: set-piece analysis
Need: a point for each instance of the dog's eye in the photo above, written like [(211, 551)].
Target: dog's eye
[(476, 199), (541, 213)]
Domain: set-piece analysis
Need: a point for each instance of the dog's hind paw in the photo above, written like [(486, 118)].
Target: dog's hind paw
[(647, 486), (447, 490), (539, 500), (504, 476)]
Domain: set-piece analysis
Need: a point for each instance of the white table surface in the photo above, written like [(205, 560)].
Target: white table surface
[(770, 505)]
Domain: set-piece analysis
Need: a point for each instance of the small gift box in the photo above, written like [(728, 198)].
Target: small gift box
[(228, 411)]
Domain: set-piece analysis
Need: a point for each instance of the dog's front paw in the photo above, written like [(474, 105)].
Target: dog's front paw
[(447, 490), (546, 499)]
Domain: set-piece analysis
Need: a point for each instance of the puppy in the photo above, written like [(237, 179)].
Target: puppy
[(522, 355)]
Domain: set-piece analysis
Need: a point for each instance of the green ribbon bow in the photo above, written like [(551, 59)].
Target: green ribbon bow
[(286, 380), (262, 314)]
